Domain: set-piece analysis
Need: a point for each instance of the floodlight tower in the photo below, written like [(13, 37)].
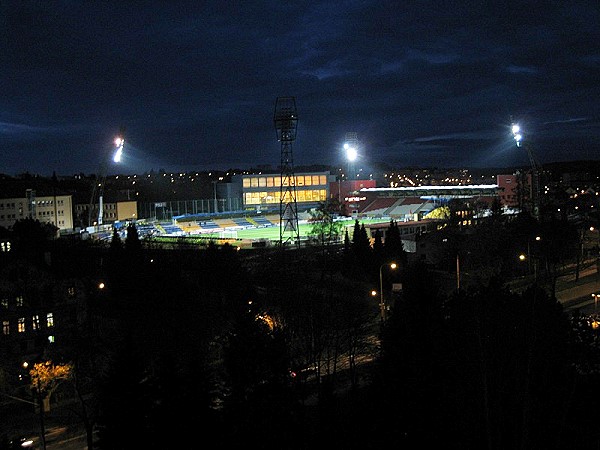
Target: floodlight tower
[(286, 124), (535, 192), (98, 188), (351, 149)]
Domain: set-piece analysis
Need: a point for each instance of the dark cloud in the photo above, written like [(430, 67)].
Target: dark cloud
[(195, 83)]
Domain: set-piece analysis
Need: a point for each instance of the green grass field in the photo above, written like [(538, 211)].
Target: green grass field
[(272, 233), (252, 234)]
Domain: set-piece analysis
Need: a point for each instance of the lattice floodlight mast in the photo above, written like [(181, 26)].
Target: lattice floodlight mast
[(351, 147), (286, 124), (535, 188), (99, 184)]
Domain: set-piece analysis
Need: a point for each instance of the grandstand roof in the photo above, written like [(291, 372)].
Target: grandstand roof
[(474, 189)]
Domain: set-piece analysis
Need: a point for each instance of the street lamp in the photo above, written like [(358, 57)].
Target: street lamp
[(392, 266)]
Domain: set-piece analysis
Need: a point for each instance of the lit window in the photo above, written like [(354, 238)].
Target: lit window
[(21, 325), (35, 322), (19, 300), (51, 339), (49, 320), (5, 327), (71, 291)]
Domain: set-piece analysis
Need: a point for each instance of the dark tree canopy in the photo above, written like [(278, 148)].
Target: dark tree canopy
[(132, 241)]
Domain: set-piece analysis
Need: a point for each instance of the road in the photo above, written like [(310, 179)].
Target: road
[(577, 294)]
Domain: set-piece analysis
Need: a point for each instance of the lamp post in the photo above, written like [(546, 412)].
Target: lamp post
[(215, 195), (392, 266)]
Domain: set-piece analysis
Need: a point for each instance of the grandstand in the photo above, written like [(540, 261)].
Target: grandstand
[(408, 207), (146, 229), (262, 221), (242, 222), (402, 209), (210, 225), (169, 228), (380, 206)]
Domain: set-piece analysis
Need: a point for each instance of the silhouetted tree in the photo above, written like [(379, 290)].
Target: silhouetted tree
[(116, 243), (496, 208), (393, 247), (32, 237), (378, 250), (132, 240), (492, 368), (361, 251)]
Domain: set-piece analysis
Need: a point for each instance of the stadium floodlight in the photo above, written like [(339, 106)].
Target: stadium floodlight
[(119, 143), (98, 189), (351, 152), (516, 131)]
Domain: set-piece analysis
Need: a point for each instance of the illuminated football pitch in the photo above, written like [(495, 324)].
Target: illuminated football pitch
[(244, 237), (272, 232)]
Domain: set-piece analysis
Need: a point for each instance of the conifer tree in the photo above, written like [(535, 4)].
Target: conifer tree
[(378, 250), (132, 241), (394, 249), (116, 243)]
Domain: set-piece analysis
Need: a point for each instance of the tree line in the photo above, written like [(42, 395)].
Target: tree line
[(285, 348)]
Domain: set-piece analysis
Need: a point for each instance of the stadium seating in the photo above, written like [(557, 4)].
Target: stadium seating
[(169, 228), (242, 221), (262, 221), (209, 225)]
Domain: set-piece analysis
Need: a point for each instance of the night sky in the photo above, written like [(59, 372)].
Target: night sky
[(194, 83)]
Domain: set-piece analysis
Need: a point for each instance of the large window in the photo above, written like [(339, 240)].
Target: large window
[(273, 197)]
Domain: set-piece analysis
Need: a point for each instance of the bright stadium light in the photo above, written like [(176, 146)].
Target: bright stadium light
[(351, 153), (119, 142), (516, 131)]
